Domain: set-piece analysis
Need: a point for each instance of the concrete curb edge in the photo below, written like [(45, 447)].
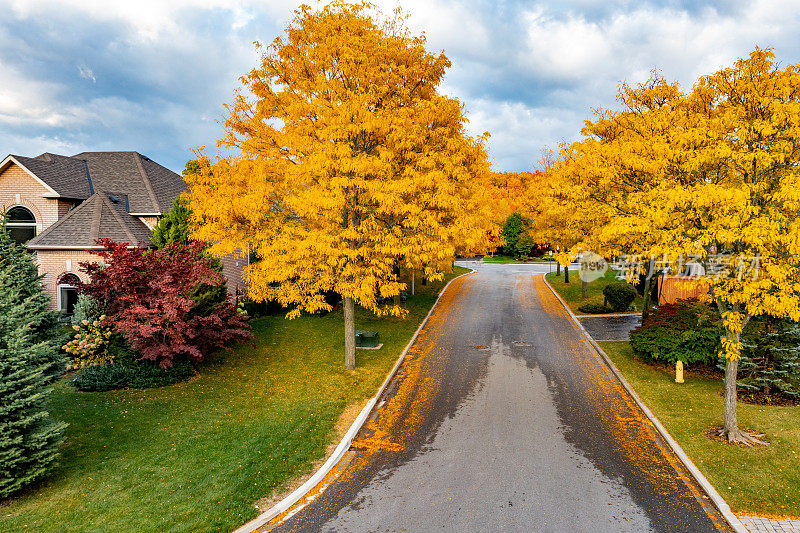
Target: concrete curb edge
[(344, 445), (706, 485)]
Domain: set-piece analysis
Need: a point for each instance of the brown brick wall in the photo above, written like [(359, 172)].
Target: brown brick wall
[(53, 263), (233, 269), (15, 181), (150, 222), (63, 208)]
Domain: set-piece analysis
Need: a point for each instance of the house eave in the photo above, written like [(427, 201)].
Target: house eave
[(72, 248)]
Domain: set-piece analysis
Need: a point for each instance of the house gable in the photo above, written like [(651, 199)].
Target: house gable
[(19, 187)]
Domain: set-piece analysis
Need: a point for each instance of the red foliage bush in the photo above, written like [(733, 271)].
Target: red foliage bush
[(148, 296)]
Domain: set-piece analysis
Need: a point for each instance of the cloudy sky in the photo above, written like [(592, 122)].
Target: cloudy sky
[(152, 75)]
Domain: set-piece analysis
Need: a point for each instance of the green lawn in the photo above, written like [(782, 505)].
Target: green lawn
[(759, 480), (197, 455), (504, 260), (572, 293)]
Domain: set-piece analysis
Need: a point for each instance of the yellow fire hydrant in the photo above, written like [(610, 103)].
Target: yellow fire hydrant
[(679, 372)]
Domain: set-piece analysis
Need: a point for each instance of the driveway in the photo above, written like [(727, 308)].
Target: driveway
[(503, 418)]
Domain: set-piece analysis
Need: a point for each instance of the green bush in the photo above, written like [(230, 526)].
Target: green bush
[(86, 308), (687, 331), (128, 370), (144, 375), (98, 378), (594, 309), (619, 295)]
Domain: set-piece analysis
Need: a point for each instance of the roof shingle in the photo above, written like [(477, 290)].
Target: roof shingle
[(103, 215), (66, 175)]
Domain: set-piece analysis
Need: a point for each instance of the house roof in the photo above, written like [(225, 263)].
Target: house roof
[(103, 215), (65, 175), (150, 187)]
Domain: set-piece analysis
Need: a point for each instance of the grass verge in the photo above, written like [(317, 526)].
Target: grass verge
[(197, 455), (572, 292), (762, 480)]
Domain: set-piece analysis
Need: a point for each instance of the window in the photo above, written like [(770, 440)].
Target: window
[(67, 293), (21, 224)]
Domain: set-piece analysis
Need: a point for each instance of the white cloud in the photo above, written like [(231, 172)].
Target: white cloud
[(520, 133), (33, 103), (86, 73), (151, 19), (528, 72)]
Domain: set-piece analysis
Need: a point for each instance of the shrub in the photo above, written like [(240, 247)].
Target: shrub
[(101, 378), (264, 308), (619, 295), (687, 331), (594, 309), (29, 360), (86, 308), (90, 346), (148, 297), (144, 375)]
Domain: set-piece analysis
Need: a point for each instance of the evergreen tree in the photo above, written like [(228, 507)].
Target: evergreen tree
[(29, 359), (174, 226), (770, 362), (512, 228)]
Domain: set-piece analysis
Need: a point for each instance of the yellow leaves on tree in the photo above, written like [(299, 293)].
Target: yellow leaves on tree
[(710, 176), (352, 166)]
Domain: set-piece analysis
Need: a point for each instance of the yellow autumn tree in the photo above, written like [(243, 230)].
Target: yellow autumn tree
[(593, 200), (709, 177), (351, 165), (734, 205)]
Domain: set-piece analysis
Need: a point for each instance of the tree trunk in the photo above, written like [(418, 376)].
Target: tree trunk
[(731, 425), (566, 273), (558, 269), (647, 299), (349, 334), (584, 289), (731, 429), (648, 291)]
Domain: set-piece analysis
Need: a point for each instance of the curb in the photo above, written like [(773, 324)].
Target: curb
[(606, 315), (344, 445), (706, 485)]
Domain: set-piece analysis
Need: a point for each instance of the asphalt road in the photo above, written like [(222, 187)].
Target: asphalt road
[(610, 328), (503, 418)]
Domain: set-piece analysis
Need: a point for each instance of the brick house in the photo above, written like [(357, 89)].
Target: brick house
[(60, 205)]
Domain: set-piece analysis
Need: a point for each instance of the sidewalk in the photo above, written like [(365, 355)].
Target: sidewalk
[(757, 524)]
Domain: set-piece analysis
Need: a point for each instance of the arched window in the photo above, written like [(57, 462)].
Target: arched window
[(21, 224), (67, 293)]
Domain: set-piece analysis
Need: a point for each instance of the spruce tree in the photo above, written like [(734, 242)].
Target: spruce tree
[(770, 362), (29, 359)]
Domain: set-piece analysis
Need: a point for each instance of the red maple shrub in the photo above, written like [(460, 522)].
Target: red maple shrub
[(159, 300)]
